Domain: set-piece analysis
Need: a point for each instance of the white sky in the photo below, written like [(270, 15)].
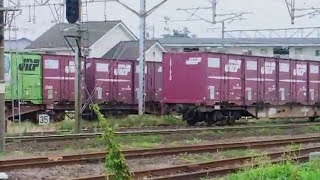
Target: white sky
[(266, 14)]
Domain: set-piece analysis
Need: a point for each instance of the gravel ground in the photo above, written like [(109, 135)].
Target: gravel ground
[(29, 149), (73, 171), (177, 139)]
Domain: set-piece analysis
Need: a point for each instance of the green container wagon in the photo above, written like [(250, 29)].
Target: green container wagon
[(23, 75)]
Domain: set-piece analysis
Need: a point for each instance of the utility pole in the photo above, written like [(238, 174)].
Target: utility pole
[(78, 87), (142, 29), (142, 14), (73, 11), (2, 82)]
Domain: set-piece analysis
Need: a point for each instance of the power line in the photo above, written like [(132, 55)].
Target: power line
[(291, 6)]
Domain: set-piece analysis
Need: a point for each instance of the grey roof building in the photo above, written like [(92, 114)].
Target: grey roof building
[(129, 50), (101, 36)]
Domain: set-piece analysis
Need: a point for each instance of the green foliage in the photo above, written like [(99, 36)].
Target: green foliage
[(115, 161), (195, 158), (284, 171), (314, 128), (146, 120), (140, 141), (66, 125), (238, 153)]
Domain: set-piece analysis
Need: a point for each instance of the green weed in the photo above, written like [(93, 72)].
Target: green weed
[(238, 153), (314, 128), (195, 158), (66, 125)]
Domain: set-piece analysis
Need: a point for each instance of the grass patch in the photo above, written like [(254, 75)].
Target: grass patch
[(314, 128), (287, 170), (132, 141), (146, 120), (66, 125), (238, 153), (195, 158)]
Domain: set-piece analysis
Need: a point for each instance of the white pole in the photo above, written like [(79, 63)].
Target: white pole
[(141, 92)]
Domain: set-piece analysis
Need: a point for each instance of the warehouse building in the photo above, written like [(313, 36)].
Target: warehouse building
[(297, 48)]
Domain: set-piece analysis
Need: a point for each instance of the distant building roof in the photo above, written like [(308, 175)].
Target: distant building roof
[(17, 44), (54, 37), (127, 50), (240, 41)]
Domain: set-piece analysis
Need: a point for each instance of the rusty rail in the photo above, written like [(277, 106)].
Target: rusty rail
[(6, 165), (210, 169)]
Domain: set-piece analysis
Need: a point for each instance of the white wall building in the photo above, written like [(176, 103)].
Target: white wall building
[(129, 50), (296, 48), (100, 38)]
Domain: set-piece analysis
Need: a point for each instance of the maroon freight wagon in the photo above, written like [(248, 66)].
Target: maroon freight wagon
[(223, 87), (114, 85), (59, 83)]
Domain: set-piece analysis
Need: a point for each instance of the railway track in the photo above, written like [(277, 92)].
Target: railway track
[(213, 168), (148, 132), (42, 162)]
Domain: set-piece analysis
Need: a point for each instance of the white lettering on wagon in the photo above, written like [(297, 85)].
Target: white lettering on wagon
[(300, 70), (268, 68), (122, 70), (193, 61), (233, 65)]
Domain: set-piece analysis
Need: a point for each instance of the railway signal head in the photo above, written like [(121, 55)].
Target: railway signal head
[(72, 10)]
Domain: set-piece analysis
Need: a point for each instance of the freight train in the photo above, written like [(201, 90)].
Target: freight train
[(210, 87), (215, 87), (45, 84)]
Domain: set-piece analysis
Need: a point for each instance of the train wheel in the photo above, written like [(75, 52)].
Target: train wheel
[(231, 119), (219, 118), (58, 116), (209, 119), (190, 118)]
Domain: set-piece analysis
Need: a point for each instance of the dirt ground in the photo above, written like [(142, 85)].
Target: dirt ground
[(82, 170)]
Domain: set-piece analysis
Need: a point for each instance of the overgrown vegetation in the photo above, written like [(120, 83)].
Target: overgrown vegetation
[(238, 153), (284, 171), (146, 120), (115, 162)]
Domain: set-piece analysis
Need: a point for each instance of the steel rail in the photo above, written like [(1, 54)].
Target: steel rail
[(6, 165), (213, 168)]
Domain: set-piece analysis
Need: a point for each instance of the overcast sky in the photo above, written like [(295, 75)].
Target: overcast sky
[(265, 14)]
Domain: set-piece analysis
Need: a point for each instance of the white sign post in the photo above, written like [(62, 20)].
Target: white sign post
[(44, 119)]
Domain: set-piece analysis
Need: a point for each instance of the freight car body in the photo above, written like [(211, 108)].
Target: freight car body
[(215, 87), (23, 76), (114, 85), (59, 84)]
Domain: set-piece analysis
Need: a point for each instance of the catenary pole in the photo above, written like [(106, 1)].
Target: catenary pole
[(78, 79), (2, 81), (141, 93)]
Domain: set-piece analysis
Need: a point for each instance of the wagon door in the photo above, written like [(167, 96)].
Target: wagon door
[(123, 79), (268, 80), (158, 81), (285, 94), (215, 78), (232, 82), (314, 82), (150, 81), (300, 78), (251, 80)]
